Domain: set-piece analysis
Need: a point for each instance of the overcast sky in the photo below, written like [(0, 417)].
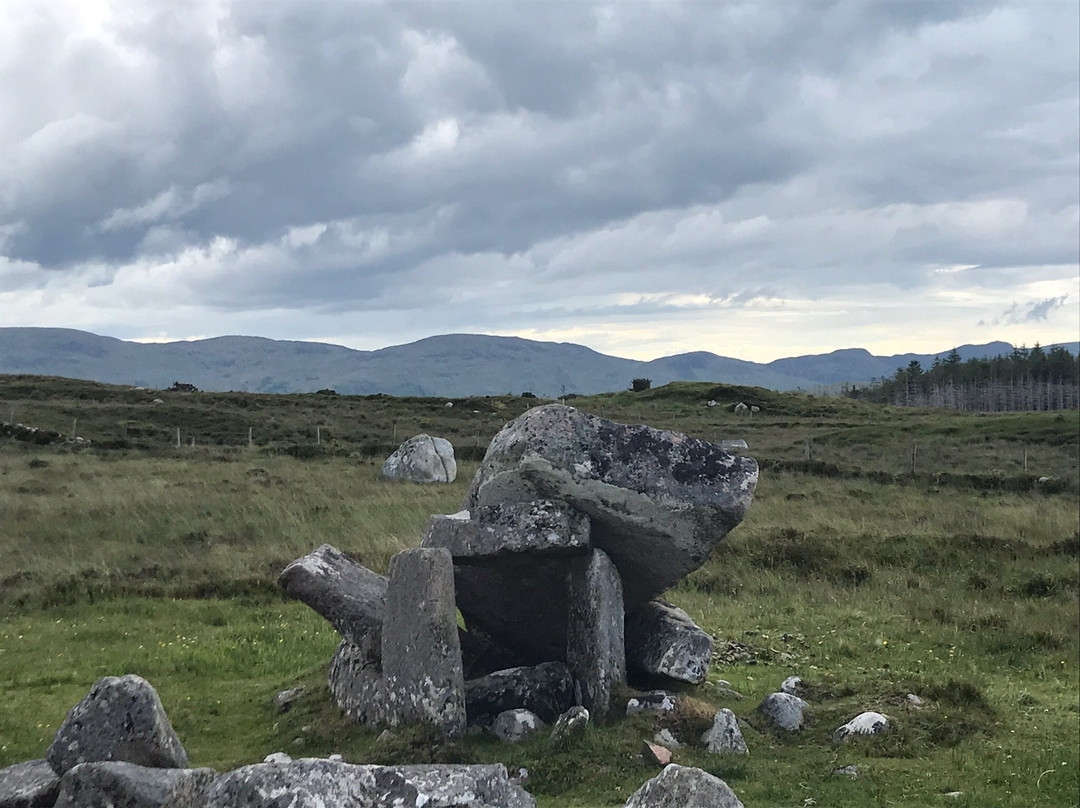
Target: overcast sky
[(646, 178)]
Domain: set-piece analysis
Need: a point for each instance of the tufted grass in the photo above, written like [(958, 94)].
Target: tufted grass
[(870, 587)]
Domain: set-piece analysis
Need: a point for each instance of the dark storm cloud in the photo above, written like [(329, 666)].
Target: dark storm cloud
[(369, 156)]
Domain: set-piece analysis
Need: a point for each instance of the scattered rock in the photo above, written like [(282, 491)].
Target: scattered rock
[(738, 443), (725, 690), (595, 650), (658, 501), (784, 710), (914, 701), (285, 698), (348, 594), (33, 784), (868, 723), (546, 689), (662, 640), (656, 754), (277, 757), (313, 783), (665, 738), (794, 685), (513, 726), (570, 723), (117, 784), (121, 718), (724, 736), (851, 771), (657, 701), (422, 459), (684, 787)]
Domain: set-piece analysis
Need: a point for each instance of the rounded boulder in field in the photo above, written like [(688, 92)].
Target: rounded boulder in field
[(422, 459)]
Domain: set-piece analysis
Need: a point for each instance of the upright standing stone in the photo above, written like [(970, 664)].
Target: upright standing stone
[(595, 649), (662, 640), (421, 653), (121, 718)]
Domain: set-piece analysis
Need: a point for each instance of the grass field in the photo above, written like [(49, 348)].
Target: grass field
[(958, 582)]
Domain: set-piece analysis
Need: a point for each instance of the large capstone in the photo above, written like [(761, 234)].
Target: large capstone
[(658, 501), (320, 783), (662, 640), (684, 787), (126, 785), (346, 593), (28, 785), (422, 459), (421, 652), (121, 718), (546, 689), (542, 526), (595, 648)]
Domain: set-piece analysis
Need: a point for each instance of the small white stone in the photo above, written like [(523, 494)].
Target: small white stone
[(868, 723)]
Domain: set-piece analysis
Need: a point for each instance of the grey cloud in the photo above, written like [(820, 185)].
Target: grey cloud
[(1030, 312)]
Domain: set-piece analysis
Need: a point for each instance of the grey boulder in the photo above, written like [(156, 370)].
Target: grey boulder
[(662, 640), (546, 689), (658, 501), (868, 723), (349, 595), (28, 785), (724, 736), (311, 783), (422, 459), (121, 718), (595, 646), (784, 710), (117, 784), (684, 787), (572, 722), (513, 726)]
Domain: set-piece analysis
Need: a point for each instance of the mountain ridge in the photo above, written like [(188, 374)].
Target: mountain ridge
[(451, 365)]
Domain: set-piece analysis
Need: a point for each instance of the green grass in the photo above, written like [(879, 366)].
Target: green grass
[(959, 583)]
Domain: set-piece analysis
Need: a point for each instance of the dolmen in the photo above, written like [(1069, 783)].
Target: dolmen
[(571, 530)]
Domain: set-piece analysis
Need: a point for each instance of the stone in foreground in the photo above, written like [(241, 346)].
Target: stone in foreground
[(724, 736), (546, 689), (868, 723), (421, 652), (126, 785), (684, 787), (662, 640), (322, 783), (784, 710), (595, 649), (658, 501), (347, 594), (121, 718), (28, 785), (422, 459)]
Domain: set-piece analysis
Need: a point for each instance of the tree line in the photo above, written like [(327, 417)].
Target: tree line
[(1027, 379)]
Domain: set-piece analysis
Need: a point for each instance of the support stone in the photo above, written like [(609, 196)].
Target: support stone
[(421, 653), (662, 640), (595, 649)]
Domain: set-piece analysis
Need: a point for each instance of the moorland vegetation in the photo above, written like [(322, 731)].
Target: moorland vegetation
[(888, 551)]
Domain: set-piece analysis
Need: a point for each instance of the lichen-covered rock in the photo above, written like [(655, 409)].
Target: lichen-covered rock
[(570, 723), (662, 640), (595, 648), (724, 737), (507, 528), (512, 726), (421, 652), (346, 593), (684, 787), (117, 784), (358, 686), (311, 783), (121, 718), (422, 459), (868, 723), (546, 689), (658, 501), (784, 710), (33, 784), (655, 701)]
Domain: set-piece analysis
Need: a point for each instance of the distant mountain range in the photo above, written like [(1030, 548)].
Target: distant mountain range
[(453, 365)]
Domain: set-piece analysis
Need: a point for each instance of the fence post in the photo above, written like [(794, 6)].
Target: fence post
[(318, 435), (914, 454), (251, 441), (178, 437)]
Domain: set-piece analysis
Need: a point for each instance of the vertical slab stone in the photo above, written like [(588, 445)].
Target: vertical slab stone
[(421, 652), (662, 640), (595, 647)]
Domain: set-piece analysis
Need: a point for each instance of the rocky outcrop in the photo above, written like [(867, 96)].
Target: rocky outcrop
[(422, 459), (121, 718), (684, 787)]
